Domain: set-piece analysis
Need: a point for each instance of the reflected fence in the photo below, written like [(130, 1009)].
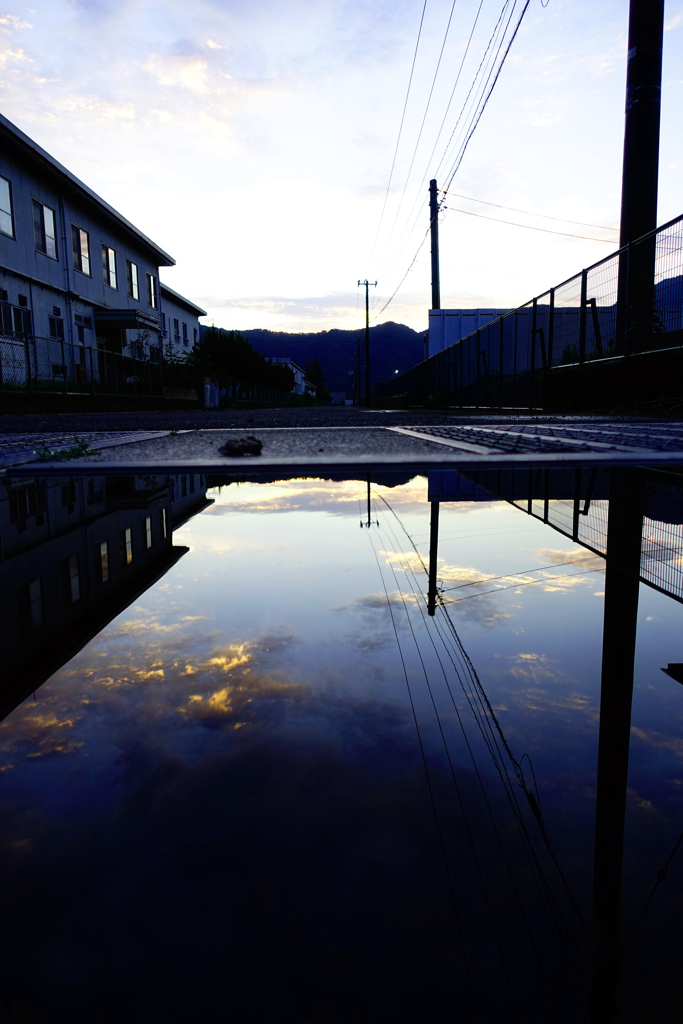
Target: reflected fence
[(627, 303), (33, 364), (575, 502)]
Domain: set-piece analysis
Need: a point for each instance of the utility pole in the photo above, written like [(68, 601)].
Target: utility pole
[(640, 169), (366, 284), (641, 131), (434, 228), (622, 583), (433, 557)]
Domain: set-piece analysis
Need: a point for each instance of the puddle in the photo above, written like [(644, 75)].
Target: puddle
[(241, 765)]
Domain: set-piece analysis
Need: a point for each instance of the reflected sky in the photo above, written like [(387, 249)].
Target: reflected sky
[(226, 788)]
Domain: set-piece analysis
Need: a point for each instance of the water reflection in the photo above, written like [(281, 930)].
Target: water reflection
[(276, 776)]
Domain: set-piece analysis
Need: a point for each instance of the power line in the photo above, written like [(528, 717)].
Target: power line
[(530, 227), (482, 108), (479, 107), (481, 63), (546, 216), (424, 118), (400, 129)]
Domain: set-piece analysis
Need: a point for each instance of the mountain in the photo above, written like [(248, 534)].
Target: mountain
[(392, 347)]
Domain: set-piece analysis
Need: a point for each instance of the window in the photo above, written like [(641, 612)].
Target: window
[(104, 561), (163, 524), (196, 335), (185, 340), (176, 331), (152, 291), (163, 323), (6, 218), (80, 243), (74, 580), (127, 546), (69, 494), (132, 279), (109, 266), (148, 532), (44, 229), (56, 327)]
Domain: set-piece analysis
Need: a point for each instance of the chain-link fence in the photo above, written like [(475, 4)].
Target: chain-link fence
[(33, 364), (629, 302)]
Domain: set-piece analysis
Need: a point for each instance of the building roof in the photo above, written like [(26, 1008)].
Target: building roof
[(40, 156), (180, 300)]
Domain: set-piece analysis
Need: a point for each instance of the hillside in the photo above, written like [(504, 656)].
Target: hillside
[(392, 347)]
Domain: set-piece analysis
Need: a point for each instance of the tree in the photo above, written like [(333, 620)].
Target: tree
[(223, 354), (314, 373)]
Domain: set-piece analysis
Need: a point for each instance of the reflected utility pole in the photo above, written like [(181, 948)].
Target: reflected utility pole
[(433, 557), (370, 521), (622, 582), (367, 284)]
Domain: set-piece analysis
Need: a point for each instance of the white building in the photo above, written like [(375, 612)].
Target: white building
[(179, 322), (446, 326), (302, 386)]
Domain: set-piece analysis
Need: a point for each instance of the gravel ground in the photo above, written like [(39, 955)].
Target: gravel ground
[(290, 443)]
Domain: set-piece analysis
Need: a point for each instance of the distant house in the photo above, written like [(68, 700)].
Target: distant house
[(76, 277), (179, 322), (302, 386)]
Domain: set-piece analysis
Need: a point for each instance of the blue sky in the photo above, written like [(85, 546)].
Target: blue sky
[(254, 142)]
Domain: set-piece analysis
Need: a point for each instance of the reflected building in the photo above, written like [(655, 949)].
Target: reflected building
[(74, 554)]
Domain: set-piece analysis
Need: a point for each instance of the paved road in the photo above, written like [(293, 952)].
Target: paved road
[(328, 416), (329, 436)]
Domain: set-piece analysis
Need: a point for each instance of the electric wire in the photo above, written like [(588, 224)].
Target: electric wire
[(476, 115), (488, 712), (456, 787), (420, 603), (661, 875), (429, 785), (544, 892), (400, 129), (424, 118), (508, 575), (482, 108), (529, 227), (488, 46), (438, 136), (546, 216), (498, 590)]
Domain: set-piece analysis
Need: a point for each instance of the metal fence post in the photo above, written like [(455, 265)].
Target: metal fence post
[(533, 355), (502, 356), (29, 381), (582, 316), (66, 389), (551, 327)]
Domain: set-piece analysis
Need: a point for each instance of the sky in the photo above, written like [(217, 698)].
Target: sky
[(254, 141)]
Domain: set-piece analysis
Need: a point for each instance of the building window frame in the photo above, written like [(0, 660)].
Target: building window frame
[(109, 267), (132, 280), (44, 229), (104, 568), (147, 532), (152, 293), (6, 208), (80, 247)]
